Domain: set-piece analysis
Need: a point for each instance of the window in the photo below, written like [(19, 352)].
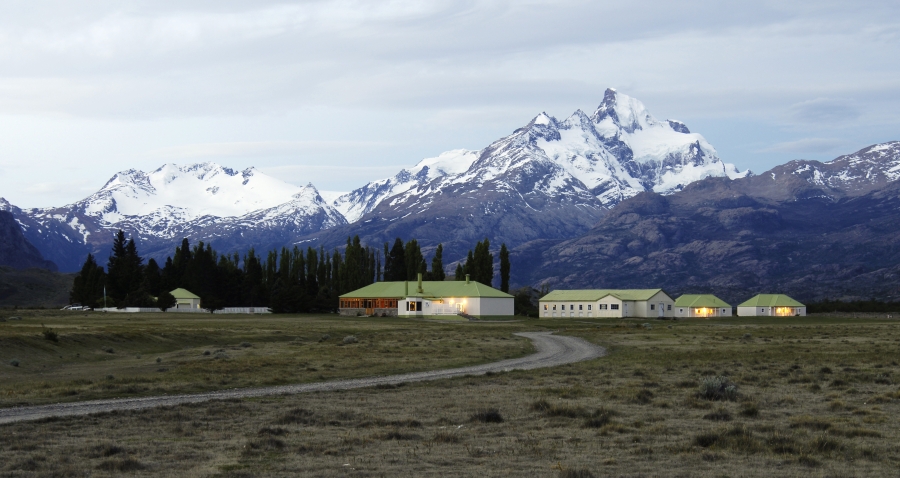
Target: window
[(723, 311), (669, 307), (680, 310), (571, 306), (580, 307), (652, 306), (603, 306), (614, 306), (545, 306), (762, 310), (589, 306), (554, 306)]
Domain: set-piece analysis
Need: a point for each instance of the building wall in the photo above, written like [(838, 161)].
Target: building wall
[(351, 312), (642, 307), (491, 306), (187, 303), (572, 309), (770, 311), (683, 312)]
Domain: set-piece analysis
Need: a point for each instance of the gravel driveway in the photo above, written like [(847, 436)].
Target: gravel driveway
[(552, 350)]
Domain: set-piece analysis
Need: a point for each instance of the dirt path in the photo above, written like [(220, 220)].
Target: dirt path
[(552, 350)]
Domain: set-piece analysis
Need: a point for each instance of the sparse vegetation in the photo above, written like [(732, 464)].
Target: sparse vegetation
[(583, 419)]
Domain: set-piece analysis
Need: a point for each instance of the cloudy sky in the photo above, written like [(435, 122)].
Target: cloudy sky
[(338, 93)]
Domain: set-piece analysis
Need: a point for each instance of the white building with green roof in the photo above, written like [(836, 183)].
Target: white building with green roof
[(426, 298), (652, 303), (185, 299), (774, 305), (701, 305)]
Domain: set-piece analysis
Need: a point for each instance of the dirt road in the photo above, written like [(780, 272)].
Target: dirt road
[(552, 350)]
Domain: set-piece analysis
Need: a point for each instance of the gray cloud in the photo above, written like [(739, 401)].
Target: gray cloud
[(807, 145), (825, 110), (109, 85)]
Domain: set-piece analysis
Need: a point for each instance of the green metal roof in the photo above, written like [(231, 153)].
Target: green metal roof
[(700, 300), (431, 289), (591, 295), (771, 300), (180, 293)]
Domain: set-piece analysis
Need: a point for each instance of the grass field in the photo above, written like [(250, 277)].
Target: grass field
[(814, 396)]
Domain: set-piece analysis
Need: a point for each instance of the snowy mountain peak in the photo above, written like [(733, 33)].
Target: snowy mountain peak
[(623, 111), (195, 190), (600, 159)]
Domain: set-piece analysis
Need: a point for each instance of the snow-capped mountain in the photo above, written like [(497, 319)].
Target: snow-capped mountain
[(360, 201), (617, 152), (200, 201)]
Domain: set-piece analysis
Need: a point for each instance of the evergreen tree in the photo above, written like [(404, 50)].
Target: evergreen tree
[(483, 263), (152, 278), (413, 258), (504, 268), (165, 300), (87, 288), (388, 276), (437, 264), (397, 261), (460, 273)]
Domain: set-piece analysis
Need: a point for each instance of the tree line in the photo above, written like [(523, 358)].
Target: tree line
[(289, 280)]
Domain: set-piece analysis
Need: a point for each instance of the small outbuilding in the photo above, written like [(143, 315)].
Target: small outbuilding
[(185, 299), (427, 298), (775, 305), (651, 303), (701, 305)]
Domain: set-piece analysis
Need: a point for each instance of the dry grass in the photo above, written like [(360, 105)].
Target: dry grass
[(587, 419), (98, 355)]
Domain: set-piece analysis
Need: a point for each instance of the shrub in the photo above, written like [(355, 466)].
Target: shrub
[(50, 334), (558, 410), (600, 418), (717, 388), (158, 359), (750, 410), (643, 396), (206, 352), (487, 416), (883, 379), (14, 362), (108, 349), (720, 415), (350, 339), (277, 431), (444, 436), (246, 344), (324, 338)]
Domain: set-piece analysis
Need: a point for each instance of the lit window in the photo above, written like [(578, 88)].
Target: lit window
[(545, 306)]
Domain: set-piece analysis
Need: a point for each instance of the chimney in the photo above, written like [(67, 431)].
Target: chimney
[(467, 278), (420, 284)]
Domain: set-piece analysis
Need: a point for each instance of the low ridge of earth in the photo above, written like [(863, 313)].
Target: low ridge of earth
[(552, 351)]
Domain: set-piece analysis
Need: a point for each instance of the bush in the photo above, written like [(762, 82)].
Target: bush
[(750, 410), (246, 344), (50, 335), (350, 339), (720, 415), (444, 436), (487, 416), (717, 388), (14, 362)]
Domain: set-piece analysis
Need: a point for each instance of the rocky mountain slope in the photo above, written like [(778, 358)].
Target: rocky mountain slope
[(549, 179), (814, 230), (15, 251)]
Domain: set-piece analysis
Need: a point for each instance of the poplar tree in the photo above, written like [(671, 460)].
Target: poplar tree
[(504, 268)]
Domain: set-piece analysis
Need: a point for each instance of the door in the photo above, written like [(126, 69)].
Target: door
[(624, 309), (662, 309), (370, 311)]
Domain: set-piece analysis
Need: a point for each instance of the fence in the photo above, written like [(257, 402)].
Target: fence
[(226, 310)]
